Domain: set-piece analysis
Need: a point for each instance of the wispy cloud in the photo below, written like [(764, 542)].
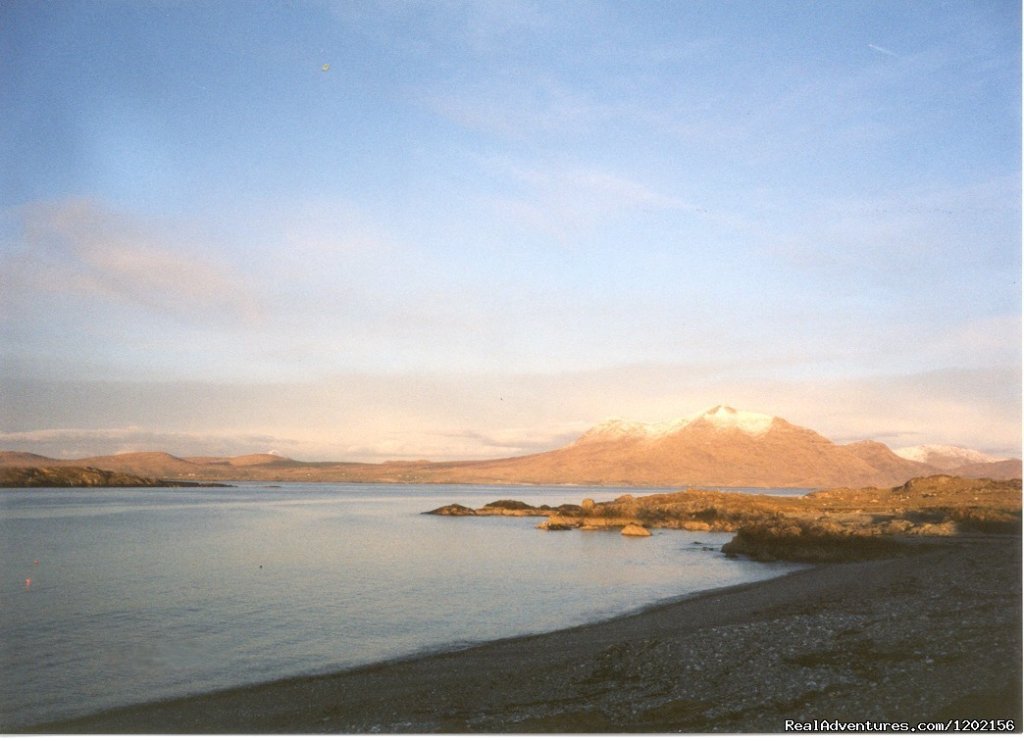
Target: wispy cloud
[(562, 200), (488, 23), (934, 232), (462, 416), (87, 442), (882, 50), (80, 247), (419, 29), (520, 110), (455, 444)]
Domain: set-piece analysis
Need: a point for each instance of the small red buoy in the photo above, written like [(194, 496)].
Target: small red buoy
[(28, 583)]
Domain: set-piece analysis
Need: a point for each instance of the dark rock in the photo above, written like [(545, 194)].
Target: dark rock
[(453, 510), (810, 543), (507, 504)]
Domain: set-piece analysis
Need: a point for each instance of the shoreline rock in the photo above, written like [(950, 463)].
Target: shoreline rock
[(557, 522), (453, 510), (811, 543), (823, 526), (635, 531)]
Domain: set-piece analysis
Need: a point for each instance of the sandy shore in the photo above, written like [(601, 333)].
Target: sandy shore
[(934, 636)]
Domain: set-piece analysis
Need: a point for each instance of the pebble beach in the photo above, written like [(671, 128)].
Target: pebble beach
[(930, 637)]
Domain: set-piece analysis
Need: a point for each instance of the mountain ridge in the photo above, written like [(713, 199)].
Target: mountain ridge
[(722, 446), (720, 417)]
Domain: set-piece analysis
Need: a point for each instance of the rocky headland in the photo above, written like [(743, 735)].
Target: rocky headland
[(81, 476), (829, 525)]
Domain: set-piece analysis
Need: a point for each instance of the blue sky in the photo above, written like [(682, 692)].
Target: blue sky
[(446, 229)]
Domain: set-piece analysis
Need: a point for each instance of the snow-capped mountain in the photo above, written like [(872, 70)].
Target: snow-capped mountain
[(945, 457), (727, 418), (722, 446), (624, 429), (720, 417)]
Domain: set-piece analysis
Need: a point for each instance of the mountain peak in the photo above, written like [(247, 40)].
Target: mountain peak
[(720, 417), (725, 417), (617, 428), (614, 429)]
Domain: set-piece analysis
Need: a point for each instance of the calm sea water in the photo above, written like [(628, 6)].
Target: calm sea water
[(142, 594)]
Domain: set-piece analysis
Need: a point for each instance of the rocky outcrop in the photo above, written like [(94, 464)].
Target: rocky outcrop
[(829, 525), (509, 505), (453, 510), (636, 531), (796, 540), (557, 522), (513, 508), (509, 508)]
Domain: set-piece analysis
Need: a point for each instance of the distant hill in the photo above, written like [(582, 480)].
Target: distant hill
[(241, 461), (721, 447), (17, 458), (998, 470), (961, 461), (945, 457), (156, 465)]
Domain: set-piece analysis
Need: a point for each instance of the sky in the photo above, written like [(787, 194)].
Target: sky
[(399, 229)]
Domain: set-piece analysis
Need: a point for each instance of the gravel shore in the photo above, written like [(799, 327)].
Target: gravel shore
[(929, 637)]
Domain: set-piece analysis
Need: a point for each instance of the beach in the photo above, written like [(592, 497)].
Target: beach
[(930, 637)]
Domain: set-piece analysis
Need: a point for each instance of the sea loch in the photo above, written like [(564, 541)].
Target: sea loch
[(142, 594)]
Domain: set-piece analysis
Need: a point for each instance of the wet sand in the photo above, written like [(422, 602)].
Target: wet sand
[(930, 637)]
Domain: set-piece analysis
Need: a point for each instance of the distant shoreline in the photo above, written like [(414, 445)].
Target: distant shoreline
[(924, 637), (77, 477), (716, 450)]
